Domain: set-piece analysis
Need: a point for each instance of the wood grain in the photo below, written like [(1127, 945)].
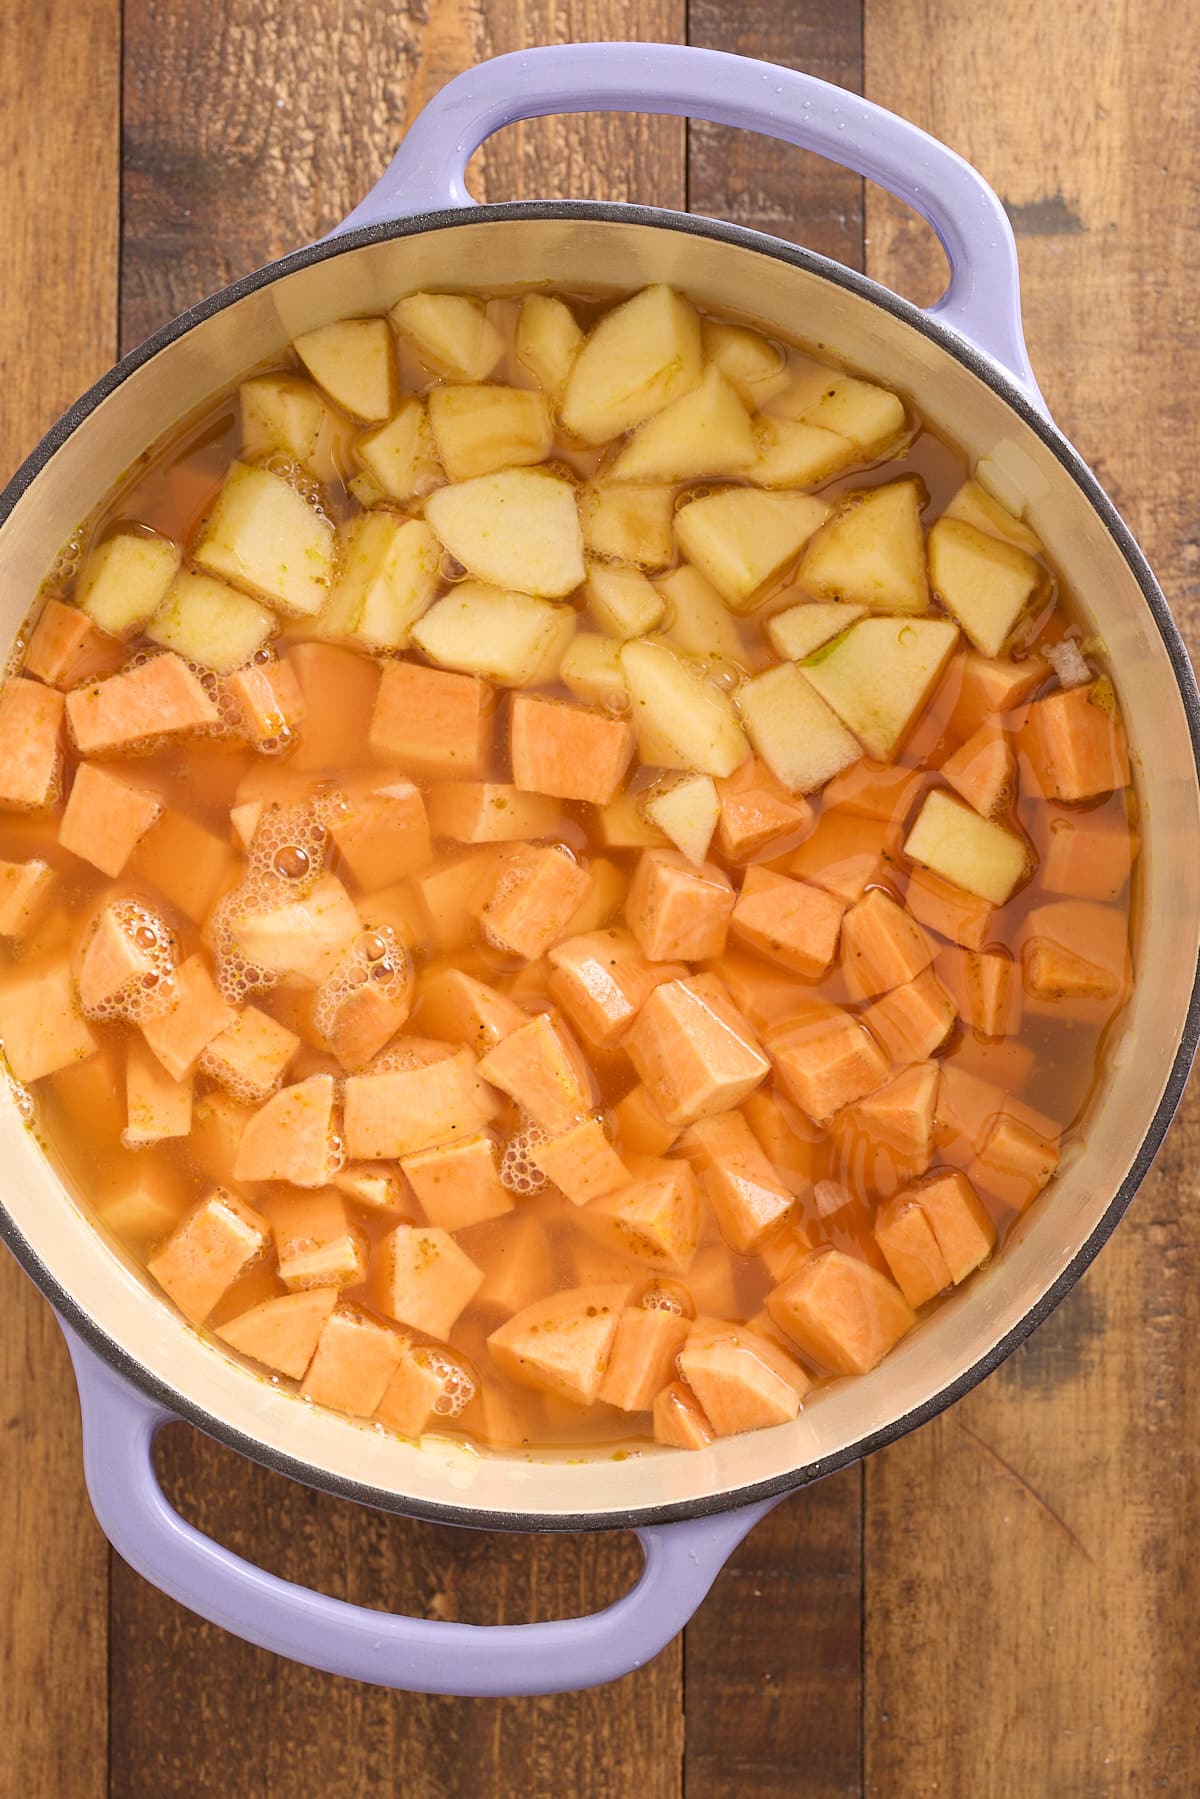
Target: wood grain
[(1031, 1558), (58, 319)]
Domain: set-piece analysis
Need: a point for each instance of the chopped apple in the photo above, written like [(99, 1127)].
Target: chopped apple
[(492, 631), (387, 577), (800, 630), (591, 670), (547, 342), (704, 432), (681, 721), (629, 524), (872, 550), (755, 366), (402, 456), (743, 540), (791, 453), (880, 674), (987, 584), (973, 852), (262, 535), (802, 742), (975, 506), (478, 429), (641, 356), (354, 361), (697, 620), (125, 579), (621, 600), (686, 811), (281, 415), (871, 417), (451, 334), (210, 623), (517, 529)]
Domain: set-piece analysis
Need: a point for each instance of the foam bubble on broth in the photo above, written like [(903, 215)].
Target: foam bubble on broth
[(518, 1171)]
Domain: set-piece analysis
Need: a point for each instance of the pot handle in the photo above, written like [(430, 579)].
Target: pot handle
[(417, 1655), (982, 301)]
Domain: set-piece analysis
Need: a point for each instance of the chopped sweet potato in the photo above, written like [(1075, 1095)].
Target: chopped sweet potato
[(677, 912), (520, 1266), (105, 818), (1014, 1163), (694, 1051), (365, 1002), (458, 1184), (1088, 857), (640, 1126), (338, 691), (218, 1124), (403, 1111), (67, 647), (41, 1027), (760, 990), (423, 1279), (844, 855), (562, 1344), (453, 895), (1075, 743), (317, 1241), (433, 722), (269, 700), (905, 1236), (207, 1251), (602, 980), (197, 1014), (158, 698), (282, 1333), (409, 1403), (899, 1118), (157, 1105), (964, 1233), (1075, 949), (542, 1071), (788, 921), (950, 911), (827, 1060), (490, 812), (25, 888), (536, 893), (250, 1056), (914, 1019), (30, 744), (984, 987), (742, 1380), (453, 1005), (679, 1420), (757, 811), (356, 1357), (289, 1139), (989, 686), (567, 752), (145, 1208), (581, 1162), (374, 1186), (748, 1199), (983, 770), (842, 1314), (788, 1139), (655, 1220), (188, 864), (383, 834), (642, 1359), (882, 946), (873, 790)]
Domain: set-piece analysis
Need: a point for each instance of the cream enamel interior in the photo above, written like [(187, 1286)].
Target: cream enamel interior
[(506, 252)]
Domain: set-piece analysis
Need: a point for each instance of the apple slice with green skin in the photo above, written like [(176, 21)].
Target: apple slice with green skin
[(505, 636), (686, 811), (681, 721), (985, 583), (705, 432), (451, 333), (742, 540), (800, 630), (974, 853), (800, 739), (517, 529), (879, 675), (354, 361), (641, 356), (872, 550)]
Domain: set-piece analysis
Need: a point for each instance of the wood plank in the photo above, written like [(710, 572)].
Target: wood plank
[(58, 327), (772, 1667), (240, 146), (1032, 1579)]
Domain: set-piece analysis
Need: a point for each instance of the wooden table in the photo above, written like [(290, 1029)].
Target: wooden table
[(1001, 1604)]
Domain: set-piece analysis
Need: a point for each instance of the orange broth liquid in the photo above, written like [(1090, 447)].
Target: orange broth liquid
[(1052, 1063)]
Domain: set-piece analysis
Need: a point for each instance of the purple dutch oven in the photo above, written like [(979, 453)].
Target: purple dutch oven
[(964, 364)]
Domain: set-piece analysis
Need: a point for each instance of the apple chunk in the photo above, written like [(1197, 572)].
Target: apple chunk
[(705, 432), (479, 429), (641, 356), (388, 575), (210, 623), (802, 742), (506, 636), (451, 333), (975, 506), (687, 812), (872, 550), (985, 583), (681, 721), (743, 540), (353, 360), (262, 535), (516, 529), (974, 853), (548, 340), (402, 456), (800, 630), (879, 675)]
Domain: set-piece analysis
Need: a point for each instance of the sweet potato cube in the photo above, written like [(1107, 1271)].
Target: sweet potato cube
[(41, 1027), (655, 1219), (602, 980), (844, 855), (642, 1359), (403, 1111), (949, 910), (748, 1199), (207, 1251), (356, 1357), (983, 770), (490, 812), (788, 921), (988, 686), (218, 1124), (519, 1266), (383, 835), (24, 889), (679, 913), (458, 1184), (742, 1380), (159, 698), (827, 1060), (679, 1420), (269, 699), (433, 722), (905, 1236), (453, 1005), (566, 751), (156, 1104), (67, 647), (105, 818), (789, 1142), (1074, 949), (339, 689), (409, 1404), (145, 1208), (197, 1014), (537, 891), (881, 946), (1014, 1162), (984, 987), (761, 990), (357, 1015), (188, 864), (914, 1019), (640, 1126), (756, 810), (964, 1233), (1076, 743), (374, 1186), (30, 744), (540, 1069), (900, 1116), (316, 1241), (423, 1279), (581, 1162), (695, 1052), (842, 1314), (250, 1057), (282, 1333), (1089, 857), (110, 961), (453, 895), (562, 1344), (289, 1139), (301, 936)]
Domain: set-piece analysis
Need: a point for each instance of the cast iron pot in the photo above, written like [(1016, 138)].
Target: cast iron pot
[(964, 364)]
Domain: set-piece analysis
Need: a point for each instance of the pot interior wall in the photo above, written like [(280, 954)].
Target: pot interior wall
[(507, 251)]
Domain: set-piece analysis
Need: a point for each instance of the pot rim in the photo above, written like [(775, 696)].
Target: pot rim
[(1008, 389)]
